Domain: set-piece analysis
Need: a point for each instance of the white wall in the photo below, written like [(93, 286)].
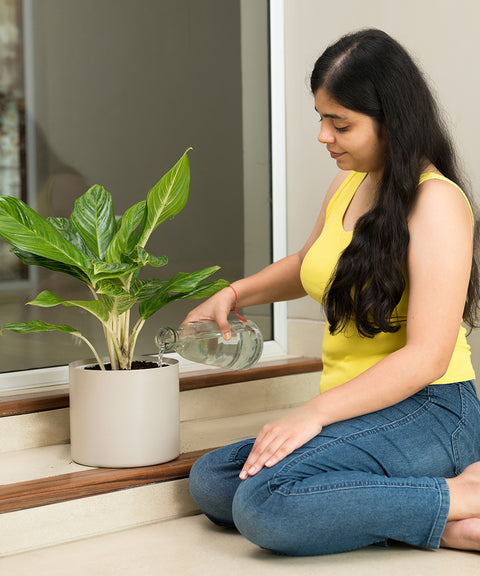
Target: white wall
[(441, 35)]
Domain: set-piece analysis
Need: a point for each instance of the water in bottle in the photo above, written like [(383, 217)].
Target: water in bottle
[(203, 342)]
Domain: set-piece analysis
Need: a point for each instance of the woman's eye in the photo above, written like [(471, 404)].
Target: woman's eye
[(341, 128)]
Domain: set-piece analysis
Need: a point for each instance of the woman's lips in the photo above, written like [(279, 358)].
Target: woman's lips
[(336, 155)]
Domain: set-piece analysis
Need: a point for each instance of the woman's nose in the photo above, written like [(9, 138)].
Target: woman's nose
[(325, 136)]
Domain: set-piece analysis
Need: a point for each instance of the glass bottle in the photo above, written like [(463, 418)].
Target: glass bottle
[(203, 342)]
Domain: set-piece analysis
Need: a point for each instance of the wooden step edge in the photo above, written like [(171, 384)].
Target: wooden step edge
[(65, 487), (272, 369), (29, 403)]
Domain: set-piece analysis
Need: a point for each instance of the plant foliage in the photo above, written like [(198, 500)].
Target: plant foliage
[(106, 255)]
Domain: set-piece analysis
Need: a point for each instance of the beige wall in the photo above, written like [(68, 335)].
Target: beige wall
[(441, 35)]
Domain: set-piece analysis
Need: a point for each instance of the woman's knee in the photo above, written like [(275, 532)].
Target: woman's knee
[(213, 482), (257, 514), (198, 478), (201, 483), (277, 520)]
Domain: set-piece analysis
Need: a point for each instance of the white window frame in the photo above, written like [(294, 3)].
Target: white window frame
[(277, 347)]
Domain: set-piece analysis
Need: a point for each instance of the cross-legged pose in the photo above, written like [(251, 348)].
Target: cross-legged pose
[(390, 447)]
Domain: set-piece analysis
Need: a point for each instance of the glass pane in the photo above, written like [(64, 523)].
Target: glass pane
[(116, 92)]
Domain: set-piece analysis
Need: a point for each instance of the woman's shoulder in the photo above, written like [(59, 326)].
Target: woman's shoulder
[(439, 197), (345, 178), (330, 199), (338, 182), (432, 175), (345, 181)]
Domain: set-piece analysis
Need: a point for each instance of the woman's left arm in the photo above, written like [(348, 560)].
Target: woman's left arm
[(439, 263)]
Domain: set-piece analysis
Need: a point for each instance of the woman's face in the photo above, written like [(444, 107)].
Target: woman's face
[(355, 141)]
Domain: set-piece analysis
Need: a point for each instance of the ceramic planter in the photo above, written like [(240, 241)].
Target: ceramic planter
[(124, 418)]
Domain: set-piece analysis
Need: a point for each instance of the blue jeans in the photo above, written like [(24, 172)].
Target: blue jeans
[(362, 481)]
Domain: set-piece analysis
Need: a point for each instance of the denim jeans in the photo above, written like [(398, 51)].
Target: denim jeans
[(362, 481)]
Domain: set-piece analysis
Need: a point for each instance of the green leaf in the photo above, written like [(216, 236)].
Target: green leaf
[(166, 198), (144, 289), (103, 270), (118, 300), (111, 287), (125, 238), (156, 261), (34, 260), (38, 326), (64, 226), (25, 230), (182, 285), (141, 257), (131, 265), (206, 290), (47, 300), (186, 281), (94, 219), (119, 304)]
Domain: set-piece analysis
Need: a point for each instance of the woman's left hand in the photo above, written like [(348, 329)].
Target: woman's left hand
[(281, 437)]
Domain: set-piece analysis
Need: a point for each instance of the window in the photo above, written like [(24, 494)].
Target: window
[(112, 92)]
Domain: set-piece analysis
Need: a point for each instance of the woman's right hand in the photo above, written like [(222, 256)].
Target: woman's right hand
[(216, 308)]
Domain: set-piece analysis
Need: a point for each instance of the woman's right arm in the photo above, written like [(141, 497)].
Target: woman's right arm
[(277, 282)]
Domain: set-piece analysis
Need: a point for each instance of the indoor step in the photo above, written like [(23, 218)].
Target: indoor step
[(55, 505), (46, 499)]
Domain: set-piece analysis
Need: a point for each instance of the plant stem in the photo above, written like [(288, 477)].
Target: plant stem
[(133, 339), (110, 337), (121, 357), (92, 348), (92, 290)]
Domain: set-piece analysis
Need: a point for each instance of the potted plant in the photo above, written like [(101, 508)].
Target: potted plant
[(107, 409)]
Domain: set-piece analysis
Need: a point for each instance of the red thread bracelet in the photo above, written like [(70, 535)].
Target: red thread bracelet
[(234, 310)]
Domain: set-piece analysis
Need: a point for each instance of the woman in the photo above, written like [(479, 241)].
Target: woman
[(390, 447)]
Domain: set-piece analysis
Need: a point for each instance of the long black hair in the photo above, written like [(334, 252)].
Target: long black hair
[(369, 72)]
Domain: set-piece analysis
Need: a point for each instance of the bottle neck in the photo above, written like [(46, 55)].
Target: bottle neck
[(166, 340)]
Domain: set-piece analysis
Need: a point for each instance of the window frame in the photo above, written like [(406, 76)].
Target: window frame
[(277, 347)]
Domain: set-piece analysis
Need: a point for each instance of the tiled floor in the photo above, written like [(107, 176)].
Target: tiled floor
[(192, 546)]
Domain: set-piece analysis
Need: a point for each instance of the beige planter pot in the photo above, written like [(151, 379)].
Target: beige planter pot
[(124, 418)]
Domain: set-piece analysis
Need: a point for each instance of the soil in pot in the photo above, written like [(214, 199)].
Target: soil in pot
[(136, 365)]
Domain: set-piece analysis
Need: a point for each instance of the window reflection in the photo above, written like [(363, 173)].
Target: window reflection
[(120, 90)]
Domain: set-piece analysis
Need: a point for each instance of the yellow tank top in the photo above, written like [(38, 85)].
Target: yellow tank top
[(347, 354)]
